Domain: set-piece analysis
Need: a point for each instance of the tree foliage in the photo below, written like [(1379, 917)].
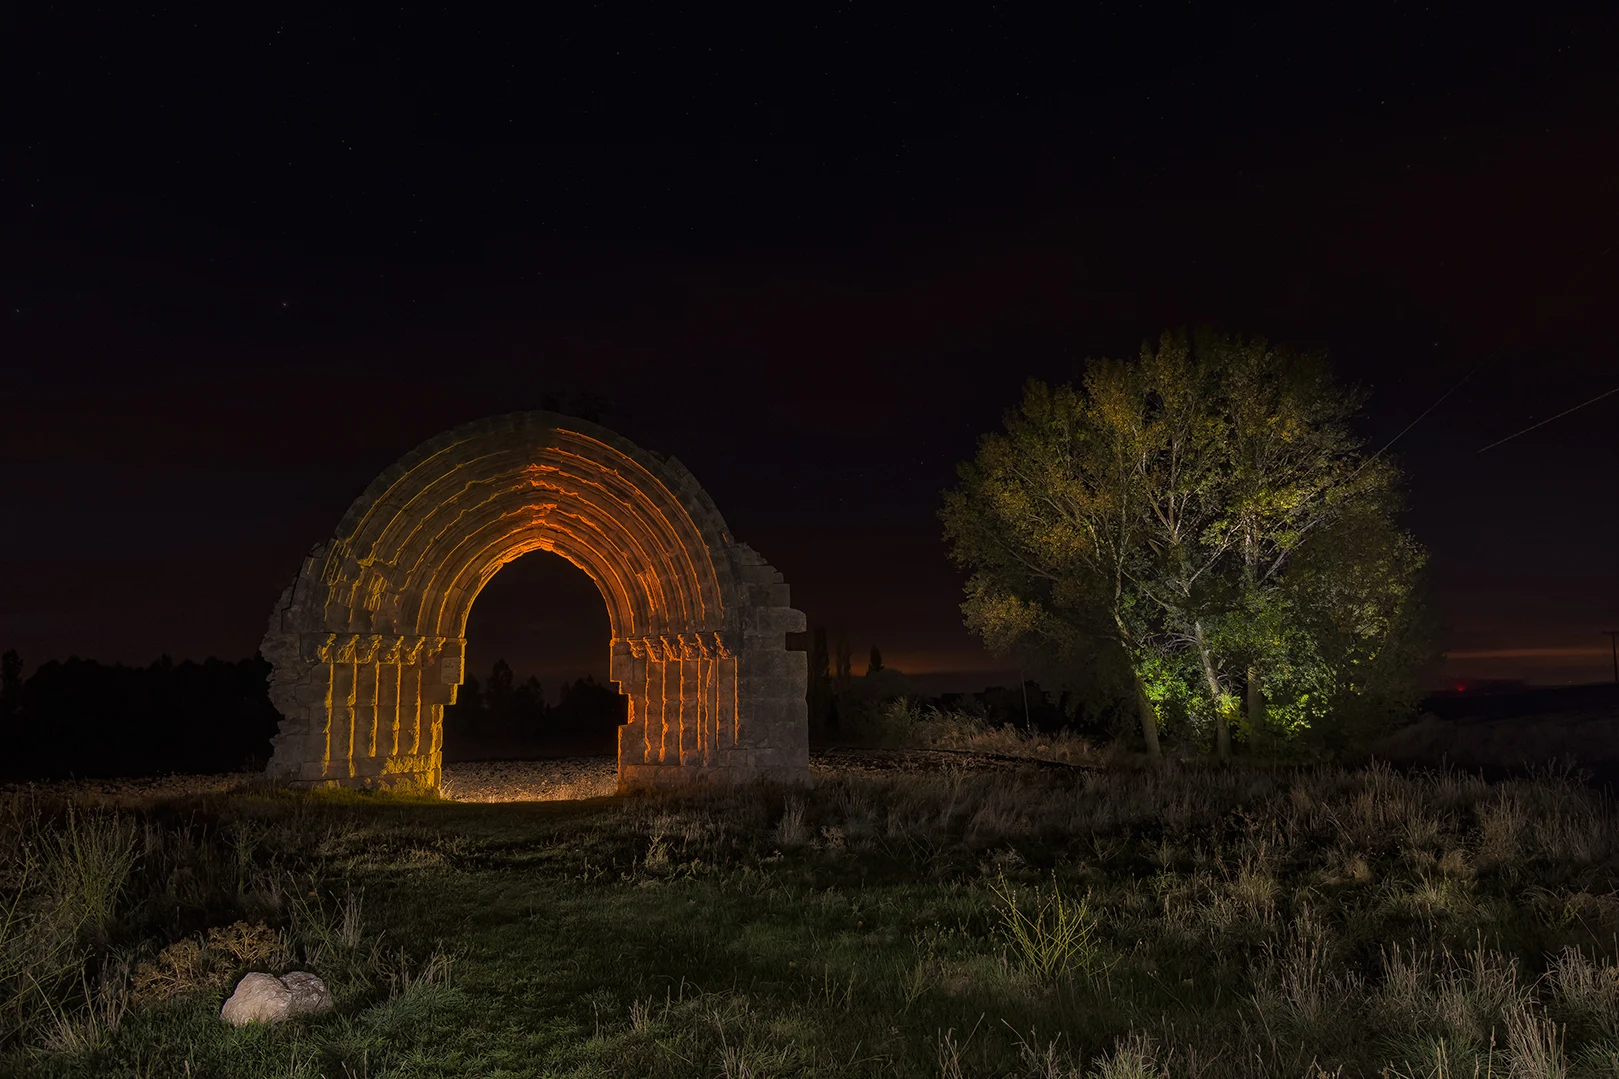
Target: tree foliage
[(1206, 514)]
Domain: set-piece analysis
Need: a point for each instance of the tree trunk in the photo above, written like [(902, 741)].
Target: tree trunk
[(1149, 720), (1222, 722), (1148, 714), (1256, 703)]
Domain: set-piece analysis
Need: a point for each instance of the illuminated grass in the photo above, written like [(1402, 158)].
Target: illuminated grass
[(1209, 923)]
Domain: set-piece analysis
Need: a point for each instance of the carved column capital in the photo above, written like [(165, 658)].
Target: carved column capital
[(366, 647), (342, 647)]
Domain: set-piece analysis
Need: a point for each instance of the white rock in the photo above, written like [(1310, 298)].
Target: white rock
[(263, 998), (259, 998), (309, 993)]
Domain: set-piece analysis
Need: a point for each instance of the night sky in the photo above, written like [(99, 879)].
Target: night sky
[(248, 260)]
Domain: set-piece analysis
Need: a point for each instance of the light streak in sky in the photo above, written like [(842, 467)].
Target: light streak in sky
[(1549, 419)]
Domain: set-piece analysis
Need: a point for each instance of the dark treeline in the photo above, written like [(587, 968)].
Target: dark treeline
[(78, 717), (502, 718), (843, 704), (1033, 708)]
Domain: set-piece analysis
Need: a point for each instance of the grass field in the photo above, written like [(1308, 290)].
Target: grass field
[(1037, 922)]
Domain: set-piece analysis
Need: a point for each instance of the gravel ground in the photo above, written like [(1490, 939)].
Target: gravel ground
[(531, 781)]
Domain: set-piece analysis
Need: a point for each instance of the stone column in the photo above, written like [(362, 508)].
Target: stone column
[(388, 678), (367, 681), (410, 696), (705, 699), (657, 717), (685, 662)]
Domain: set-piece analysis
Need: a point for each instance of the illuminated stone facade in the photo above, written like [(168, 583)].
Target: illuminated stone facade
[(368, 643)]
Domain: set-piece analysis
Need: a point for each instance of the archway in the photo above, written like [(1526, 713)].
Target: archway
[(368, 643), (537, 682)]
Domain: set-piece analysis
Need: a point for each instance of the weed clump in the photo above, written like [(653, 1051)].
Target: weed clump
[(1050, 934)]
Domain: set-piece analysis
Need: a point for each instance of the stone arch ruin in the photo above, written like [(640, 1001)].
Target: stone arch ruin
[(367, 644)]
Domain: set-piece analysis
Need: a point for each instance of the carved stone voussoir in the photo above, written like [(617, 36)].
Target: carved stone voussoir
[(393, 586)]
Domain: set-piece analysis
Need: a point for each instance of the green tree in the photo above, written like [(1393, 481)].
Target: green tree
[(1048, 519), (1162, 411), (1295, 468), (1356, 587), (1207, 510)]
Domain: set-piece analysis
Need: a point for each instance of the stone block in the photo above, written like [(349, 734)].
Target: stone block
[(760, 665), (264, 998), (309, 993), (773, 622), (775, 594), (259, 998)]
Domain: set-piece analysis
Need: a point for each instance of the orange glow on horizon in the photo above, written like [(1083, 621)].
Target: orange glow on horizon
[(937, 663), (1596, 652)]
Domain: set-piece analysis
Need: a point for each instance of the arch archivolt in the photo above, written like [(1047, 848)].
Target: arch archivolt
[(367, 644)]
